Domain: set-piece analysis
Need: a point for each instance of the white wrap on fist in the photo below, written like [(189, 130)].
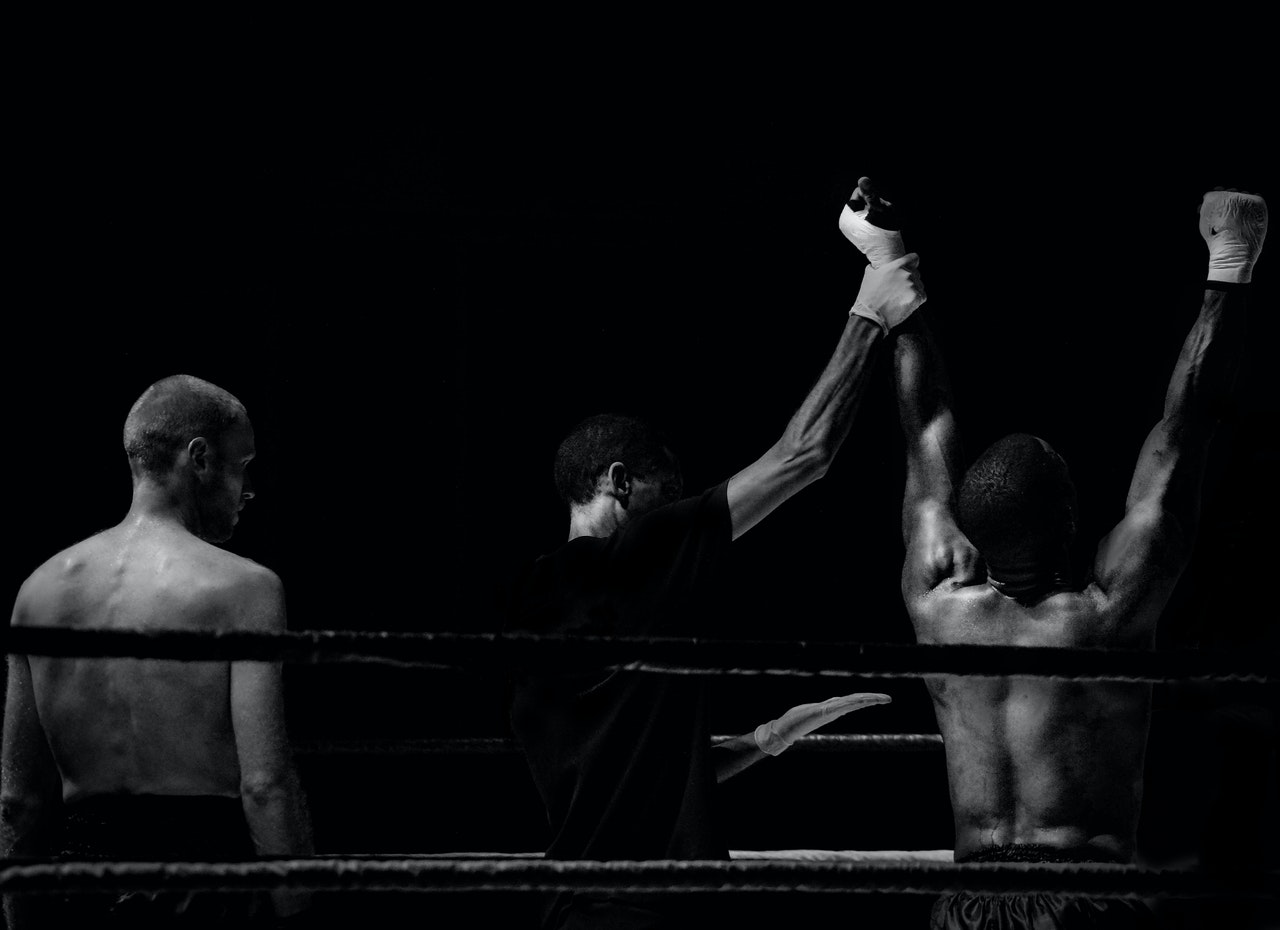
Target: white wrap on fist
[(1234, 225), (879, 245), (776, 735), (891, 293)]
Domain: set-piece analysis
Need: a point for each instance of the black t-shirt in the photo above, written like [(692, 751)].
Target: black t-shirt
[(621, 758)]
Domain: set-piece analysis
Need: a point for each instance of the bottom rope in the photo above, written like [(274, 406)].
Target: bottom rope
[(401, 874)]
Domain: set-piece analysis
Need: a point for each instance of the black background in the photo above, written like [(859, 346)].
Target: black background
[(418, 286)]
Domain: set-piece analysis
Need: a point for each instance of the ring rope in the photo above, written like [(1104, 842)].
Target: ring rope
[(507, 653), (400, 874), (901, 742), (801, 855)]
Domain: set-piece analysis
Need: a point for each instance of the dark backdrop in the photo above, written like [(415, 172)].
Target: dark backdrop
[(417, 298)]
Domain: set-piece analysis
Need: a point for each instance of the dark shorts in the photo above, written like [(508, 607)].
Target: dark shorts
[(967, 911), (157, 828)]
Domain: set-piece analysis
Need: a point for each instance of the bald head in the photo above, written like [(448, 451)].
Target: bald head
[(171, 413)]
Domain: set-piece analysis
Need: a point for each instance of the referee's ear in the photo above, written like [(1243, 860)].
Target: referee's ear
[(618, 482)]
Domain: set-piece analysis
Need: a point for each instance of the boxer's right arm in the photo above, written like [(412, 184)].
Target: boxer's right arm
[(936, 550), (270, 790)]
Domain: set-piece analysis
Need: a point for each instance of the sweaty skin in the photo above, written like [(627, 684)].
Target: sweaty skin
[(77, 728), (1038, 760), (144, 726)]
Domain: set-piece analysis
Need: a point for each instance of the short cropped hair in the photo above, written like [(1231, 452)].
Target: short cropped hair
[(171, 413), (1017, 499), (599, 441)]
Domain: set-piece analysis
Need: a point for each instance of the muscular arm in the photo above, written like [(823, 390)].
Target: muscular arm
[(1140, 560), (270, 790), (815, 433), (936, 549)]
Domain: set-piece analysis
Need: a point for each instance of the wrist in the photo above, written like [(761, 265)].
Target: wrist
[(863, 311), (768, 741)]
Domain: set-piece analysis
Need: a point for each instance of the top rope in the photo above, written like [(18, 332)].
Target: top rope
[(525, 654)]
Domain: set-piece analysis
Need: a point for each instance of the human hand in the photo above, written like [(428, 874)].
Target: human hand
[(776, 735)]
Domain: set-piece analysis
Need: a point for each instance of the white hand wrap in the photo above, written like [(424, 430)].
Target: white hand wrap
[(1234, 226), (776, 735), (891, 293), (879, 245)]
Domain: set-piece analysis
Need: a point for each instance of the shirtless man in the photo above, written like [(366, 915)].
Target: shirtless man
[(151, 759), (1042, 769), (623, 761)]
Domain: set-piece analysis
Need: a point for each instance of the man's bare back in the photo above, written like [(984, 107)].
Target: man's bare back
[(1042, 768), (143, 726), (1036, 761), (152, 758)]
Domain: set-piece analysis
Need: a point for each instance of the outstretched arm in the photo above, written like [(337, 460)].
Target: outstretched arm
[(1139, 562), (815, 433), (890, 292), (771, 739), (937, 552)]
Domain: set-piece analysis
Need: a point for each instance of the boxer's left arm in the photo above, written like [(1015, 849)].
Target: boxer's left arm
[(773, 738), (937, 552)]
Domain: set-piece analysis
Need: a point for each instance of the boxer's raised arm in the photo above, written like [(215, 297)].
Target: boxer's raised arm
[(1139, 562), (814, 435), (936, 549)]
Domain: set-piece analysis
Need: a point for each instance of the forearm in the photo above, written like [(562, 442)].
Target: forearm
[(1173, 459), (817, 430), (279, 824), (925, 412), (24, 833), (276, 812), (735, 755), (25, 829)]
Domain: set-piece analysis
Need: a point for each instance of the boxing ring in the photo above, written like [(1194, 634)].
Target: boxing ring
[(908, 872)]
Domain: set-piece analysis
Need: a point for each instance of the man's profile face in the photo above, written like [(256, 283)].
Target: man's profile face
[(226, 488), (656, 490)]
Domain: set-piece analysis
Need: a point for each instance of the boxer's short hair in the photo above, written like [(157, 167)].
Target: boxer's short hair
[(599, 441), (1017, 499), (171, 413)]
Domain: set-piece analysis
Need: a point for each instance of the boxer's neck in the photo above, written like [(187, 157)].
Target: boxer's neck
[(1030, 580)]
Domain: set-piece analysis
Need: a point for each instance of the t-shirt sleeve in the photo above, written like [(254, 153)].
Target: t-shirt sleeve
[(670, 556)]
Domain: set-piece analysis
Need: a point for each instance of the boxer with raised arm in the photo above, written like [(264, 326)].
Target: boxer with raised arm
[(1043, 769)]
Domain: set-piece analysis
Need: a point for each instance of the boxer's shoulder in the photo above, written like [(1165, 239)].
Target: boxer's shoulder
[(111, 579)]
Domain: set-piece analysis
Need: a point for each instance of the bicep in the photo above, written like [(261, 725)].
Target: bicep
[(937, 550), (1137, 565), (758, 490)]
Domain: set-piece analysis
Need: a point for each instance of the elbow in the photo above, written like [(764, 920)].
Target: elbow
[(808, 461), (266, 789), (20, 820)]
